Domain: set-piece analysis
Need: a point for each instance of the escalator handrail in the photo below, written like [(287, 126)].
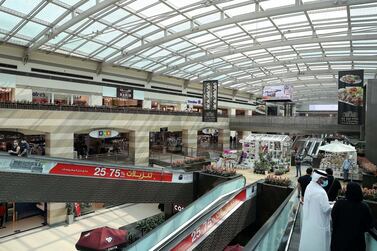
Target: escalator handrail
[(373, 232), (193, 219), (204, 217), (258, 237), (292, 228)]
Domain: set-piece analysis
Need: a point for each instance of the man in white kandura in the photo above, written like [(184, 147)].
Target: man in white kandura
[(315, 232)]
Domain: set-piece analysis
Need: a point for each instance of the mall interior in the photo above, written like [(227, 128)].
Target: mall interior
[(188, 125)]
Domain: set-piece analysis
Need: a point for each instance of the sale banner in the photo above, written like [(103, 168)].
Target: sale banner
[(110, 172)]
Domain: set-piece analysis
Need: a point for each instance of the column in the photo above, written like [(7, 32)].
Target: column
[(245, 134), (58, 144), (139, 147), (249, 112), (224, 135), (190, 141), (147, 104), (231, 112)]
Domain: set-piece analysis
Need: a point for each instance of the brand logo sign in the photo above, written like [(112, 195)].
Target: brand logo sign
[(103, 134)]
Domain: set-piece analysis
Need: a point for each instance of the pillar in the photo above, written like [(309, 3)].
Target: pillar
[(58, 144), (245, 134), (139, 147), (232, 112), (249, 112), (190, 141), (147, 104), (224, 135)]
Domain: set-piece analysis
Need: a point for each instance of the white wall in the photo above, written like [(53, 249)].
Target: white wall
[(95, 100), (23, 94)]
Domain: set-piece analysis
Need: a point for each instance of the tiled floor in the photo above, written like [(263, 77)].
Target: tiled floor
[(65, 237), (22, 225), (251, 177)]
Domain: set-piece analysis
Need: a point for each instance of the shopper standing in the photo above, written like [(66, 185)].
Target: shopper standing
[(15, 149), (315, 231), (3, 209), (351, 218), (303, 182), (332, 189), (298, 160), (346, 167), (24, 148)]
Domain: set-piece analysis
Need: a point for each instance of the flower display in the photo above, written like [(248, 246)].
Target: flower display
[(221, 171), (276, 180)]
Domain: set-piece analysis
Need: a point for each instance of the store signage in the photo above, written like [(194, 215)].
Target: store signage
[(350, 97), (103, 134), (211, 131), (124, 93), (278, 93), (210, 101), (198, 234), (194, 101), (177, 208)]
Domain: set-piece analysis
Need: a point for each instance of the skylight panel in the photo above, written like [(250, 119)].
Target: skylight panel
[(50, 13), (323, 14), (156, 10), (31, 29), (114, 16), (276, 3), (240, 10), (299, 19), (140, 4), (332, 31), (104, 53), (87, 5), (7, 22), (147, 30), (298, 34), (109, 36), (204, 38), (181, 27), (269, 38), (209, 18), (157, 35), (184, 3), (89, 47), (228, 32), (21, 5), (201, 10), (94, 28), (363, 10)]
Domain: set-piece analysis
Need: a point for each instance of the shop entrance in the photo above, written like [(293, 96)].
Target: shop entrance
[(208, 139), (105, 145), (165, 141), (36, 141), (18, 217)]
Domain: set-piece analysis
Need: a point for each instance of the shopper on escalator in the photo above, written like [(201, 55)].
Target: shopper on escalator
[(333, 188), (351, 218), (303, 182), (315, 231)]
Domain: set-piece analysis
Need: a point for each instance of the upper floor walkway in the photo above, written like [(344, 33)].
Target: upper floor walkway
[(300, 124)]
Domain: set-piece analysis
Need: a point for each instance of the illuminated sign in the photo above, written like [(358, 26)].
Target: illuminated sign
[(103, 134)]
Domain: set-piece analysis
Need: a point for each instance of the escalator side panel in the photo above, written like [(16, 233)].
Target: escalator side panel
[(29, 187)]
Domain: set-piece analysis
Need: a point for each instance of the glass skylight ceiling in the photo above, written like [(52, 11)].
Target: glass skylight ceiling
[(245, 44)]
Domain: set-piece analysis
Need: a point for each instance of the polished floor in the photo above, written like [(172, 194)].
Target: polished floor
[(65, 237)]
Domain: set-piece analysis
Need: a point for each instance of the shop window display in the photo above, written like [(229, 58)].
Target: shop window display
[(41, 97), (6, 94)]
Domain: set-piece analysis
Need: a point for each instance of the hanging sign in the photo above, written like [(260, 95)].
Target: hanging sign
[(350, 97), (124, 93), (210, 101), (103, 134)]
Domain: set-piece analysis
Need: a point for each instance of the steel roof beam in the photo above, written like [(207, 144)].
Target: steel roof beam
[(242, 18), (98, 7)]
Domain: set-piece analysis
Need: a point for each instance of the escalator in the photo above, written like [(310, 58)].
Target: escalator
[(198, 227), (64, 180)]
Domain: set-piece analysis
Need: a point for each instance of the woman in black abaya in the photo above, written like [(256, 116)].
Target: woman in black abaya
[(351, 218)]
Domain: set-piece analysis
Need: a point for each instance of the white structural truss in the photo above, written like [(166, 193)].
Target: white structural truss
[(245, 44)]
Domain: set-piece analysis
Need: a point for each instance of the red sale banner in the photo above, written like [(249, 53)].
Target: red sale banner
[(110, 172), (194, 237)]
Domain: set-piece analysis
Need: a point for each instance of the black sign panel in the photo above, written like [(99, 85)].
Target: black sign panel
[(124, 93), (350, 97), (210, 93)]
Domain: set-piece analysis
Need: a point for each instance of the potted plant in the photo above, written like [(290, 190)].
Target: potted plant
[(70, 212)]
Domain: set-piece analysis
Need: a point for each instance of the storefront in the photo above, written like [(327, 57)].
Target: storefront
[(208, 138), (165, 141), (36, 142), (107, 144), (6, 94), (56, 98), (122, 97)]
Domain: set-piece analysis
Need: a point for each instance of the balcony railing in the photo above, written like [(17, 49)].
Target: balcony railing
[(289, 124), (76, 108)]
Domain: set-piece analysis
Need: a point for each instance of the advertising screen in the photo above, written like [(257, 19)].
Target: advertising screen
[(350, 97), (277, 93)]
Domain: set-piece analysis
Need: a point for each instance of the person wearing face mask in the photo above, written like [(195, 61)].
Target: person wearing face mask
[(315, 231)]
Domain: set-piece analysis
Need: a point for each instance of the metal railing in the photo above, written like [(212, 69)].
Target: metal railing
[(77, 108), (288, 124)]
